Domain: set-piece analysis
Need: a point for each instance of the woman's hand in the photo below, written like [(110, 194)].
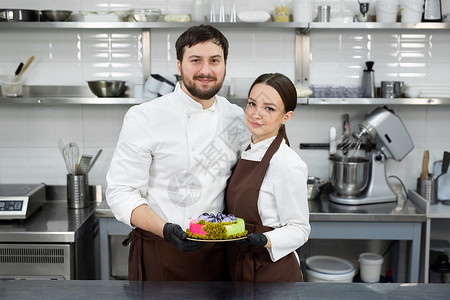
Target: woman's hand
[(257, 239)]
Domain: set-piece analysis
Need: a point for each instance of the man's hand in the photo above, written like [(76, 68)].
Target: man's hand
[(255, 239), (174, 234)]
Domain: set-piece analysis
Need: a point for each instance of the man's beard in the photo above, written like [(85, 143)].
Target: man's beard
[(196, 92)]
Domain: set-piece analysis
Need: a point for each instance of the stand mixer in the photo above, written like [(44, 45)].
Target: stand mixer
[(360, 180)]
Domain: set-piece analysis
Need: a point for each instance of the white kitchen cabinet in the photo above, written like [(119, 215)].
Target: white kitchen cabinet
[(302, 54)]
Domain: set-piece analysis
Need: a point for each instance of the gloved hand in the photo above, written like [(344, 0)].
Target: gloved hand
[(255, 239), (174, 234)]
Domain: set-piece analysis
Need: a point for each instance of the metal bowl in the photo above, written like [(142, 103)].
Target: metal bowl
[(349, 176), (314, 184), (107, 88), (146, 15), (56, 15)]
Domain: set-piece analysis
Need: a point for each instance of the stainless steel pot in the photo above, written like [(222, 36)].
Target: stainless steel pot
[(17, 15), (349, 176)]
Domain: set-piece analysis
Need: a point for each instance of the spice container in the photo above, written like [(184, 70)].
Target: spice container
[(281, 12)]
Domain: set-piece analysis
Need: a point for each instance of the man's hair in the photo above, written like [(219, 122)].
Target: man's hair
[(200, 34)]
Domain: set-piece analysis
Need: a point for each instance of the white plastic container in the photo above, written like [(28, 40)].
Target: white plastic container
[(303, 10), (370, 267), (387, 11), (329, 269), (411, 11)]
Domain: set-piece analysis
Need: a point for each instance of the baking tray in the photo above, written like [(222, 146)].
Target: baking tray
[(443, 184)]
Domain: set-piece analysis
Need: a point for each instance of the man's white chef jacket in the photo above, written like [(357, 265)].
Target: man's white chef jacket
[(176, 157)]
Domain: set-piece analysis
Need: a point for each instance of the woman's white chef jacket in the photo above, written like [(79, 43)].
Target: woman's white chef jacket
[(283, 199), (176, 157)]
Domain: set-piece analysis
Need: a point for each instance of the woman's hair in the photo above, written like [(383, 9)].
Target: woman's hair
[(285, 88), (200, 34)]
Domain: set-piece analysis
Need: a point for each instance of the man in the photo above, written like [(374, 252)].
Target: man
[(172, 163)]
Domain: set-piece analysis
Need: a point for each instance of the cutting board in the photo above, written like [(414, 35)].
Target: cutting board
[(443, 184)]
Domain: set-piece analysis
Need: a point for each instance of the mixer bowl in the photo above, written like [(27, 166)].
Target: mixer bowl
[(349, 176)]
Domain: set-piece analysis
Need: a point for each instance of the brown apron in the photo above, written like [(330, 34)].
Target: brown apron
[(153, 258), (250, 263)]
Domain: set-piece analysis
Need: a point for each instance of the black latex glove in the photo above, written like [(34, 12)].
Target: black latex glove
[(174, 234), (255, 239)]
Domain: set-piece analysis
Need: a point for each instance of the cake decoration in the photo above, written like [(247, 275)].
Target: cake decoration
[(216, 227)]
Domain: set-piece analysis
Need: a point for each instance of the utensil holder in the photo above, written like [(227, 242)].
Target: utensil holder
[(427, 188), (77, 191), (11, 86)]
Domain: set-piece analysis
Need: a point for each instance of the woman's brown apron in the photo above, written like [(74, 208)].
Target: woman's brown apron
[(250, 263), (153, 258)]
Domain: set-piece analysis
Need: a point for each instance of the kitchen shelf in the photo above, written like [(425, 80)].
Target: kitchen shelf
[(303, 26), (376, 25), (49, 100), (81, 95), (378, 101), (71, 100), (302, 52), (142, 25)]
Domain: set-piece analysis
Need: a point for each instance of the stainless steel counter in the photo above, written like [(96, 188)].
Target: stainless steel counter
[(117, 289), (401, 211), (55, 242), (54, 222), (401, 220)]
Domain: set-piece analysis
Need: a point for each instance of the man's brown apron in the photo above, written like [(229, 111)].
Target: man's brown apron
[(153, 258), (250, 263)]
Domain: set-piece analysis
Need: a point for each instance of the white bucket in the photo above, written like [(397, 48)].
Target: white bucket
[(370, 267), (303, 10), (411, 11), (329, 269), (387, 11)]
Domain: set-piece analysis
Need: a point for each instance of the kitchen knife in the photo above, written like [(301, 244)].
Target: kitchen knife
[(425, 161)]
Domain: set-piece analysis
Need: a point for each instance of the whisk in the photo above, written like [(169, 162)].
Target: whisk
[(70, 154), (348, 145)]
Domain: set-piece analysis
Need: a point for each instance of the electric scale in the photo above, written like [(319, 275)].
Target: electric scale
[(18, 201)]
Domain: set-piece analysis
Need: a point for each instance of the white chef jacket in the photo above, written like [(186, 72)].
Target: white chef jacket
[(283, 200), (176, 157)]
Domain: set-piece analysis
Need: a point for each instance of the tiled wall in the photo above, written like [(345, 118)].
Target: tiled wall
[(415, 57), (29, 134)]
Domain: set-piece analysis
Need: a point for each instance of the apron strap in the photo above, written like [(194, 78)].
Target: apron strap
[(136, 268), (272, 149)]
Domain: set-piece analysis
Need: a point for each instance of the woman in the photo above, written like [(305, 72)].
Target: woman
[(268, 189)]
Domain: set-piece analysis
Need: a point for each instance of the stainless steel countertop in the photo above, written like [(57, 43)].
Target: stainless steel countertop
[(118, 289), (322, 210), (53, 222)]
